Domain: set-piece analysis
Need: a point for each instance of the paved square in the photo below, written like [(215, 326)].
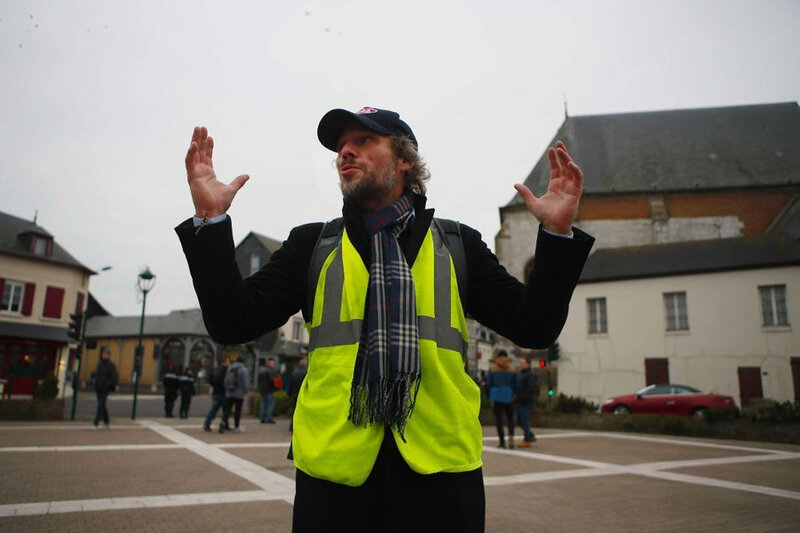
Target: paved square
[(170, 475)]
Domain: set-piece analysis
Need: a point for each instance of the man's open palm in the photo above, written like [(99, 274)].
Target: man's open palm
[(211, 197), (558, 207)]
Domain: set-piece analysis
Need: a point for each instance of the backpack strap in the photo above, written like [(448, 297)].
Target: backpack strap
[(451, 233), (328, 239)]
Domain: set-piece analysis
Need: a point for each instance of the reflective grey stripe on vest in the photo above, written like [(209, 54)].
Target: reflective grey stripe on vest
[(332, 332)]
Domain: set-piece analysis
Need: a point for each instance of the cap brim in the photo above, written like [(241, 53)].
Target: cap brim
[(336, 120)]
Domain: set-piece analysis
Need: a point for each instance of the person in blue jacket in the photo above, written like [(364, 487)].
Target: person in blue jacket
[(502, 382)]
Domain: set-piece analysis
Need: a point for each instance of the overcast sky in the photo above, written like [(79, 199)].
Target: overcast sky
[(98, 100)]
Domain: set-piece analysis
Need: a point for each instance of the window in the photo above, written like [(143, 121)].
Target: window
[(12, 297), (255, 263), (53, 302), (41, 246), (597, 315), (773, 305), (297, 327), (677, 317)]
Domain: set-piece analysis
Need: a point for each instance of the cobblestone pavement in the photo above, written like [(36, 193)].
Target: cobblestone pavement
[(170, 475)]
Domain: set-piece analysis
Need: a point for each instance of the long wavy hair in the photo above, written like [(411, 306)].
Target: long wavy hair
[(418, 174)]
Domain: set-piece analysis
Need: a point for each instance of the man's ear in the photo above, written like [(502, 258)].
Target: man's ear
[(403, 165)]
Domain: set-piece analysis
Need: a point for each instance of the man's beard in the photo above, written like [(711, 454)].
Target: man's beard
[(372, 186)]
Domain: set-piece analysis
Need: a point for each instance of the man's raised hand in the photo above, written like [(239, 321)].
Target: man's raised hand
[(558, 207), (210, 196)]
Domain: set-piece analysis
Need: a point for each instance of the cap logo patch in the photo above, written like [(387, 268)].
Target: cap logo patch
[(366, 111)]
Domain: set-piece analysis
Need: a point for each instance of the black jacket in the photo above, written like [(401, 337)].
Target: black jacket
[(106, 376), (266, 385), (237, 311), (186, 385), (218, 380), (526, 386)]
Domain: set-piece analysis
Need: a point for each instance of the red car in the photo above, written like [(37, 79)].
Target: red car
[(667, 400)]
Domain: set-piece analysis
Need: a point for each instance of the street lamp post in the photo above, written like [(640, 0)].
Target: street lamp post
[(146, 280)]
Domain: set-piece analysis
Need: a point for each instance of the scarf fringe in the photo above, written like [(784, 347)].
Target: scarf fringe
[(390, 404)]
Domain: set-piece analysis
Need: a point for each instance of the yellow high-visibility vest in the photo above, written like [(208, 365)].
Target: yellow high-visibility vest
[(443, 433)]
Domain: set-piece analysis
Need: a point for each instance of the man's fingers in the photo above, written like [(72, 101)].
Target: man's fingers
[(554, 165), (191, 156), (563, 156), (527, 195), (239, 182), (209, 150), (577, 174)]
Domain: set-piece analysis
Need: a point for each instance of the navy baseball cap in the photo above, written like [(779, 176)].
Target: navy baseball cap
[(378, 120)]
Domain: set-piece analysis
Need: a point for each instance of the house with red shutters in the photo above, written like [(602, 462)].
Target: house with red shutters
[(41, 284)]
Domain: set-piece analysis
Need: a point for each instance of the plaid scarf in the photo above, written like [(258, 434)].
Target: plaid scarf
[(387, 371)]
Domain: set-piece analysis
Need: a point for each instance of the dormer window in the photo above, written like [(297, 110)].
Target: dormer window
[(41, 245), (37, 243)]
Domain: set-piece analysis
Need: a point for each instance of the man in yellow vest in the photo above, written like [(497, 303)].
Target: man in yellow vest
[(386, 433)]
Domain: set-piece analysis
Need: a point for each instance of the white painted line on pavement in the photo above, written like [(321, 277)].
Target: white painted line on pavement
[(284, 445), (551, 458), (719, 483), (280, 486), (653, 470), (78, 427), (675, 442), (548, 436), (690, 463), (136, 502), (93, 447), (535, 477)]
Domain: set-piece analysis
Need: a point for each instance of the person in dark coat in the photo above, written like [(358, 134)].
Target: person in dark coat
[(217, 393), (237, 381), (171, 386), (502, 381), (266, 387), (295, 382), (382, 181), (186, 383), (105, 381), (524, 400)]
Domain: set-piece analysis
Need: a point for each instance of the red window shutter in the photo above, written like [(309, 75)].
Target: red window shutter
[(53, 302), (79, 303), (27, 299)]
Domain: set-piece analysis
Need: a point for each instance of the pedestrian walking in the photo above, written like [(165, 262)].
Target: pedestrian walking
[(237, 381), (524, 399), (502, 382), (186, 385), (105, 381), (171, 383), (384, 289), (217, 381), (296, 379), (266, 387)]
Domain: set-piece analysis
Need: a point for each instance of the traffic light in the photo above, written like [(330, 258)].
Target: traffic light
[(550, 391), (542, 363), (75, 326)]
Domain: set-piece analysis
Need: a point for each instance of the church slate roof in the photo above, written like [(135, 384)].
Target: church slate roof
[(691, 257), (12, 227), (681, 150)]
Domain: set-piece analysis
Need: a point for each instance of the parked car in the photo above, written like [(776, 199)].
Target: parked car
[(667, 400)]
